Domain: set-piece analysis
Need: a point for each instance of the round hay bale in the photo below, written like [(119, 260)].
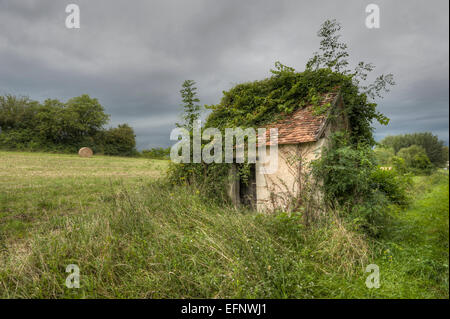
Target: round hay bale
[(85, 152)]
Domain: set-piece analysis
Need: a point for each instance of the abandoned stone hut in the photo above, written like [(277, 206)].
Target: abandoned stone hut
[(302, 136)]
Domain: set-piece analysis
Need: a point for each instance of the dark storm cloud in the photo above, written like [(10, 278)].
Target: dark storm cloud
[(134, 56)]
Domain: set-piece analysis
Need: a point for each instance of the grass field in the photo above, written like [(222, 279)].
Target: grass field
[(134, 236), (35, 187)]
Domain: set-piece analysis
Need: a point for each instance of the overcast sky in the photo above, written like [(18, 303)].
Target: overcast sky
[(134, 55)]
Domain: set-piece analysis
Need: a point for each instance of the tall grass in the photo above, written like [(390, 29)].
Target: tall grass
[(165, 242), (148, 239)]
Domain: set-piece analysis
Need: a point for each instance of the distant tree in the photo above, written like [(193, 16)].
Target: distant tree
[(17, 112), (433, 147), (63, 127), (415, 157), (445, 153), (119, 141), (88, 115), (52, 122), (191, 110)]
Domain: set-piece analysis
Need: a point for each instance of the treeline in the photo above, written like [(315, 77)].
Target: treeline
[(54, 126), (416, 153), (156, 153)]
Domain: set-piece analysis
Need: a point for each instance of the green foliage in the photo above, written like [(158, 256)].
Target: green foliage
[(156, 153), (418, 239), (333, 56), (351, 180), (16, 112), (383, 155), (399, 165), (445, 154), (61, 127), (257, 103), (119, 140), (208, 179), (395, 186), (191, 110), (345, 170), (434, 148), (348, 171), (333, 53), (416, 159), (88, 116)]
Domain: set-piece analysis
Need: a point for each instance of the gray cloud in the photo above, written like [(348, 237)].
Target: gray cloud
[(134, 56)]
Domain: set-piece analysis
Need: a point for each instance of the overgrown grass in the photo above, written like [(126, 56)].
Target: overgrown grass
[(415, 250), (134, 236)]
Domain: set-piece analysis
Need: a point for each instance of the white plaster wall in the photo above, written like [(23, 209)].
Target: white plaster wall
[(277, 190)]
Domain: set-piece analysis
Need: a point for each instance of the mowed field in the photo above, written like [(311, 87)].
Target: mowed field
[(133, 235), (35, 187)]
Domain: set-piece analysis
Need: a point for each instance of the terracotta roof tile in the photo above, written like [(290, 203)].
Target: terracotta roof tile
[(301, 126)]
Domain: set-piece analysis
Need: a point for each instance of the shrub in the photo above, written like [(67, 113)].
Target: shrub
[(354, 185), (345, 170), (416, 159), (392, 184)]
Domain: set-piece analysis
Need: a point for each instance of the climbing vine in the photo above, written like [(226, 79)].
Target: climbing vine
[(254, 104)]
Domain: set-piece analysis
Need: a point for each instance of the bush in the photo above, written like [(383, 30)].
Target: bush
[(345, 170), (354, 185), (416, 159), (392, 184), (370, 216)]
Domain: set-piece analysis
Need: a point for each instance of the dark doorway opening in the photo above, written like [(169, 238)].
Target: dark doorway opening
[(247, 189)]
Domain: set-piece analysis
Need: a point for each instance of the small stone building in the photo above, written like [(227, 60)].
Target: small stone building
[(301, 137)]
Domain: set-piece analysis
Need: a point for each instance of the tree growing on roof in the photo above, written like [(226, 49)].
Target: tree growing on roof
[(333, 56)]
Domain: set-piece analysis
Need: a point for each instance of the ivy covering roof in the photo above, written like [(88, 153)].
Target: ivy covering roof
[(304, 125)]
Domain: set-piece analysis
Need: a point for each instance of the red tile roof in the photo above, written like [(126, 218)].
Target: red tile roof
[(301, 126)]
